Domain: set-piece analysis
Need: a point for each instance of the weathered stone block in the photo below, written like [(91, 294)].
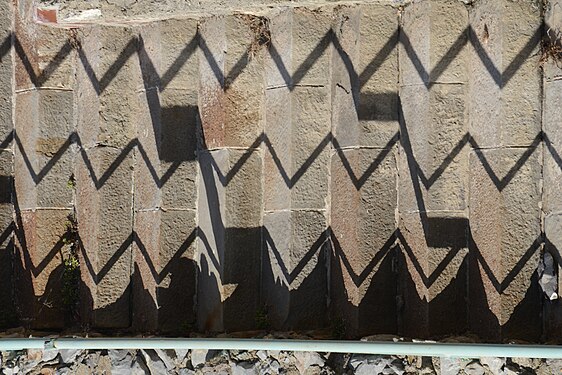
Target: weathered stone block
[(44, 56), (8, 316), (120, 75), (6, 73), (553, 27), (552, 116), (165, 272), (45, 155), (146, 249), (6, 176), (231, 81), (279, 58), (311, 47), (166, 169), (40, 254), (505, 90), (363, 196), (505, 239), (178, 271), (310, 157), (230, 208), (432, 47), (105, 218), (433, 274), (178, 145), (365, 76), (278, 170), (294, 269), (434, 143), (553, 242), (179, 55)]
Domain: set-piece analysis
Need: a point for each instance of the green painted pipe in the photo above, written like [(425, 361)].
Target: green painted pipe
[(426, 349)]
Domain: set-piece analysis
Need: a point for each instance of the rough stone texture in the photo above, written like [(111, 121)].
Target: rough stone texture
[(552, 147), (40, 254), (105, 219), (363, 283), (553, 323), (7, 306), (433, 274), (434, 133), (298, 112), (231, 82), (296, 169), (294, 271), (165, 273), (6, 72), (505, 244), (230, 216), (179, 113), (552, 168), (44, 152), (44, 56), (433, 165), (442, 58), (505, 84), (261, 168)]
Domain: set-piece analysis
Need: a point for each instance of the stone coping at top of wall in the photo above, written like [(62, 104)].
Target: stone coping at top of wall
[(66, 12)]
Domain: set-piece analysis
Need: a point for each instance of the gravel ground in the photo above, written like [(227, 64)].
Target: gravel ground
[(255, 362), (187, 362)]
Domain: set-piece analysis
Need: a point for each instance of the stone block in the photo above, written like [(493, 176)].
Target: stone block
[(505, 241), (434, 143), (145, 279), (229, 213), (165, 272), (213, 44), (505, 90), (232, 102), (278, 169), (552, 308), (294, 269), (364, 199), (432, 48), (433, 274), (365, 76), (120, 76), (178, 145), (179, 54), (88, 117), (45, 154), (553, 25), (8, 312), (39, 268), (6, 176), (105, 217), (552, 115), (44, 57), (178, 271), (311, 46), (166, 169), (6, 73), (310, 111), (279, 59)]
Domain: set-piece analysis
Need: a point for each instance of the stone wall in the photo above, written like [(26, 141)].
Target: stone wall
[(373, 167)]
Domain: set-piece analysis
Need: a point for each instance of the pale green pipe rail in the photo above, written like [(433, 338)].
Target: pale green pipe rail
[(428, 349)]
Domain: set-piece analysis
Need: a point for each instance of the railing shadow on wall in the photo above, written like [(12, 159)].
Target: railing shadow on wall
[(327, 243)]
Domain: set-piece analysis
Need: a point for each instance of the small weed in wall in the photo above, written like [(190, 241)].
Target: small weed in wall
[(71, 273), (338, 328), (262, 318)]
